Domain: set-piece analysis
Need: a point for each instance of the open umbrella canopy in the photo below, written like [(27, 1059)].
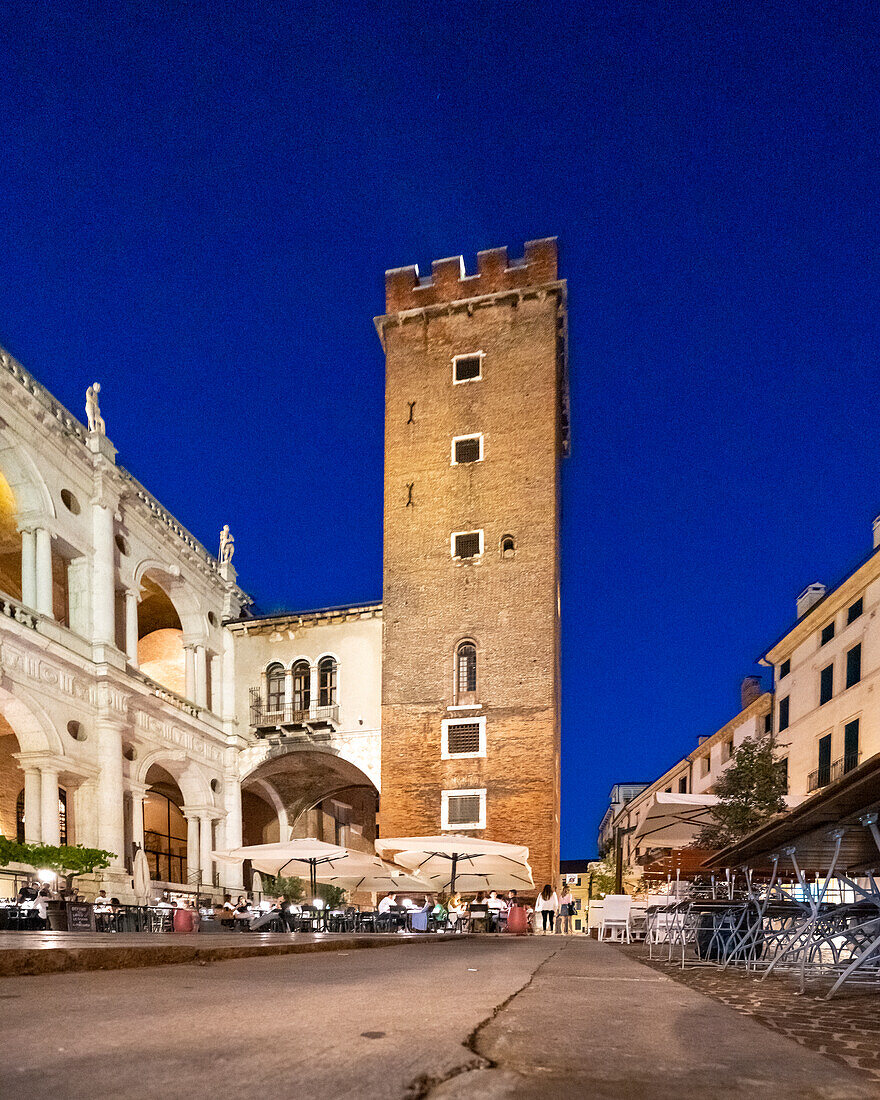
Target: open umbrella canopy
[(453, 862), (290, 857), (674, 820), (370, 874)]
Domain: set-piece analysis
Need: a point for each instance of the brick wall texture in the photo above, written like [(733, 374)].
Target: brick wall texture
[(508, 607)]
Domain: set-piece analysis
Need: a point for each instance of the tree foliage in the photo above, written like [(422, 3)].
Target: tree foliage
[(67, 860), (277, 886), (750, 790), (603, 877)]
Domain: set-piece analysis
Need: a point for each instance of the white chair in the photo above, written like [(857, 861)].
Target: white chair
[(616, 914)]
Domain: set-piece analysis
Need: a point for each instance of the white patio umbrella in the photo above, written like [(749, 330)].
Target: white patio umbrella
[(464, 862), (674, 820), (289, 857), (370, 874), (141, 876)]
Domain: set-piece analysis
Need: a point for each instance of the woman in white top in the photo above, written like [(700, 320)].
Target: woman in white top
[(547, 905)]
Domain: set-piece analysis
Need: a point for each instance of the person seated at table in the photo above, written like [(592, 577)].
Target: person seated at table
[(478, 913), (387, 903), (439, 911), (455, 910), (102, 902), (497, 910)]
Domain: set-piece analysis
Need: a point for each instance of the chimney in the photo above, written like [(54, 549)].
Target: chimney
[(750, 690), (810, 596), (877, 532)]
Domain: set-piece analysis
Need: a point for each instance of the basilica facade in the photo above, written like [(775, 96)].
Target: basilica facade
[(143, 703)]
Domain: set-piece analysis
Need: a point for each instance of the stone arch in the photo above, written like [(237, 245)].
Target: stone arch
[(34, 730), (25, 480), (195, 786), (308, 778)]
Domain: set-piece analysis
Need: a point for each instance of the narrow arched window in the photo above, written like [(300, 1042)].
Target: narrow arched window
[(274, 688), (327, 682), (465, 669), (508, 546), (301, 686)]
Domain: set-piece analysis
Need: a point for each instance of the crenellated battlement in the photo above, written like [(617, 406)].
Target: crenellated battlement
[(449, 282)]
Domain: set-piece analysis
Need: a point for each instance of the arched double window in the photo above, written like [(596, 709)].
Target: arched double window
[(274, 688), (327, 682), (301, 686), (465, 670)]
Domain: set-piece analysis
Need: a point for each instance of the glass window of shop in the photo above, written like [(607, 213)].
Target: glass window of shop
[(164, 838)]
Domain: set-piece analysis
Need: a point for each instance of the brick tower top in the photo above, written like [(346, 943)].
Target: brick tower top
[(448, 282)]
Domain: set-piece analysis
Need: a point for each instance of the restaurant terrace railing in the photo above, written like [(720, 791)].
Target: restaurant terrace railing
[(828, 773)]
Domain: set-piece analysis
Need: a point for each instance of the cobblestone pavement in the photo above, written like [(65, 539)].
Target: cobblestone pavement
[(846, 1028)]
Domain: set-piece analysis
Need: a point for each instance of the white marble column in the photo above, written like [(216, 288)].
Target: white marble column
[(137, 814), (193, 866), (288, 690), (313, 691), (231, 873), (29, 569), (111, 821), (131, 627), (103, 576), (201, 695), (206, 846), (44, 571), (216, 700), (32, 799), (190, 666), (50, 831)]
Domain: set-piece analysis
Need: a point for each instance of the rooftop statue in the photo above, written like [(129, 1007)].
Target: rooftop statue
[(227, 544), (93, 409)]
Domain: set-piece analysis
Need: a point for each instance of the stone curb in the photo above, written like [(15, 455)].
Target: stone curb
[(26, 962)]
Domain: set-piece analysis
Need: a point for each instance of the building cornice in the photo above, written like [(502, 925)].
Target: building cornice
[(839, 597), (762, 705), (270, 624)]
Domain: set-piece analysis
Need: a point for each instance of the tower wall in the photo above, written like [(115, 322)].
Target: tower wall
[(514, 315)]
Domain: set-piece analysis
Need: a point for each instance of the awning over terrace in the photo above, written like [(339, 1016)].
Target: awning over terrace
[(673, 820), (808, 828)]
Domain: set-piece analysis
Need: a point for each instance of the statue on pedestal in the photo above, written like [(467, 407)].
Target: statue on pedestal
[(93, 410), (227, 544)]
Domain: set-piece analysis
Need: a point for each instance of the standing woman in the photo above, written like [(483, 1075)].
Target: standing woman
[(547, 905), (566, 912)]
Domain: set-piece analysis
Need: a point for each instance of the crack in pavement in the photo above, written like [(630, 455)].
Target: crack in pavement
[(422, 1086)]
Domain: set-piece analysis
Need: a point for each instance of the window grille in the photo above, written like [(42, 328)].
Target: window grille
[(463, 737), (467, 668), (467, 545), (463, 809), (467, 450), (467, 367)]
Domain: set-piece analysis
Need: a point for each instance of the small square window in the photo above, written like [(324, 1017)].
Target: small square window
[(784, 668), (782, 767), (467, 448), (827, 634), (784, 713), (467, 544), (854, 610), (768, 722), (463, 737), (826, 684), (467, 368), (463, 809), (726, 750), (683, 785), (704, 765)]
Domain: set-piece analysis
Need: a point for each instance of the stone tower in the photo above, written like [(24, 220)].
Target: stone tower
[(476, 420)]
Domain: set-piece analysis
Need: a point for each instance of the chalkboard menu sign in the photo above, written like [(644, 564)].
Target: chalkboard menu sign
[(80, 917)]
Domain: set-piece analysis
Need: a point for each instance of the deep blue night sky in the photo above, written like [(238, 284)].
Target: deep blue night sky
[(198, 206)]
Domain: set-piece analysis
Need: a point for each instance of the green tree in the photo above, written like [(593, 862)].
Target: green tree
[(277, 886), (334, 896), (66, 860), (750, 790), (603, 877)]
